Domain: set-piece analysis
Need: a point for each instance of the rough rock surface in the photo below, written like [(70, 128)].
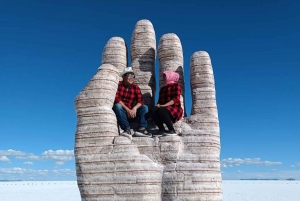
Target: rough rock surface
[(115, 53), (181, 168), (142, 51)]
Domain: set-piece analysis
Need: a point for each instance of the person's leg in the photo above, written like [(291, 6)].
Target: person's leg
[(143, 122), (150, 110), (121, 116), (141, 114), (155, 117), (165, 117)]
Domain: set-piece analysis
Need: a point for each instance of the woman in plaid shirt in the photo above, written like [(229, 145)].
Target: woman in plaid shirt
[(168, 109)]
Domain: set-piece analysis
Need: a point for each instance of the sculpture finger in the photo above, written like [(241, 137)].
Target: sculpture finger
[(95, 117), (170, 57), (115, 53), (143, 51), (200, 132), (96, 124), (204, 114)]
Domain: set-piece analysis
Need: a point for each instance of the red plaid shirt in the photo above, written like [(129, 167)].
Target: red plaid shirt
[(168, 93), (129, 95)]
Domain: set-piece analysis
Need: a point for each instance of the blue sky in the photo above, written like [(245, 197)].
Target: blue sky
[(49, 50)]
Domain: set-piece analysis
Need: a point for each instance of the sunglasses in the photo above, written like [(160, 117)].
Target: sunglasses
[(130, 75)]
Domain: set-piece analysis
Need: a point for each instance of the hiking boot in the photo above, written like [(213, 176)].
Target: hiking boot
[(170, 133)]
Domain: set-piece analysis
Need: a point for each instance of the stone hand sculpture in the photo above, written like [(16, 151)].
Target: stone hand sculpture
[(112, 167)]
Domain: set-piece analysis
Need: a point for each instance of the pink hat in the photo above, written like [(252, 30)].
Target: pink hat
[(171, 77)]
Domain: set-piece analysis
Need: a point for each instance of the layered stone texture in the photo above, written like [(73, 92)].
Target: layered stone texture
[(201, 131), (119, 173), (204, 114), (96, 122), (182, 168), (115, 53), (109, 166), (143, 52)]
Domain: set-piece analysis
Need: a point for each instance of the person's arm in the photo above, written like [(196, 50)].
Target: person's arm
[(117, 97), (159, 99), (124, 106), (137, 106), (139, 96), (140, 102), (171, 102)]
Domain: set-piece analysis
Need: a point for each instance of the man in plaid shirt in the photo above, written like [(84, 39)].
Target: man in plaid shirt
[(129, 105)]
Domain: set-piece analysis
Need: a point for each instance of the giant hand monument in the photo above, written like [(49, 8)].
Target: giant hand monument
[(114, 168)]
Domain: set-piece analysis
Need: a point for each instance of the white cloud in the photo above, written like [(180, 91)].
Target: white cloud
[(4, 159), (11, 152), (30, 174), (223, 165), (18, 154), (65, 172), (58, 163), (33, 157), (59, 153), (42, 172), (15, 170), (29, 157), (296, 165), (59, 156), (230, 162)]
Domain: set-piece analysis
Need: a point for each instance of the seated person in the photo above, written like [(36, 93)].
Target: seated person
[(129, 104), (168, 109)]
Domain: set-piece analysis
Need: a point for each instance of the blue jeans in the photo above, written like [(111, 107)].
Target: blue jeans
[(123, 120)]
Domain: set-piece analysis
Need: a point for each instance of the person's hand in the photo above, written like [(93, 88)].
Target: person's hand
[(132, 113), (157, 105)]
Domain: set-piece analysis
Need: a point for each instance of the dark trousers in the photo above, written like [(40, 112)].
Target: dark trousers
[(160, 116)]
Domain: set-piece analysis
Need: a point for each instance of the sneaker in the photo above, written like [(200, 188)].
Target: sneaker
[(170, 133), (158, 133), (127, 133), (142, 132)]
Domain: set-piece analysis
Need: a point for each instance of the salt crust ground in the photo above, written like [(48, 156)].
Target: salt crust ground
[(261, 190), (233, 190), (39, 191)]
